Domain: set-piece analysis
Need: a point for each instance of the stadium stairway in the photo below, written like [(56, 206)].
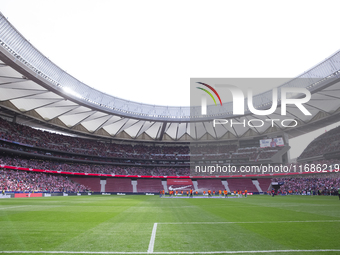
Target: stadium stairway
[(257, 185), (102, 185), (226, 186), (165, 186), (195, 185), (134, 186)]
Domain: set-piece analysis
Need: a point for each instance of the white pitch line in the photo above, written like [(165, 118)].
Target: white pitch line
[(152, 239), (249, 222), (184, 252)]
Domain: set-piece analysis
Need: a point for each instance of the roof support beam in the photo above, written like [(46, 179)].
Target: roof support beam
[(45, 105), (83, 119), (64, 113), (161, 134), (102, 125), (19, 97)]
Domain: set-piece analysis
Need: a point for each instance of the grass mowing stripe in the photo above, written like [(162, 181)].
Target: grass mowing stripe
[(13, 207), (152, 239), (250, 222), (202, 252)]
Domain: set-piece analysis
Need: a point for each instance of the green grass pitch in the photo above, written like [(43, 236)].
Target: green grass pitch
[(126, 225)]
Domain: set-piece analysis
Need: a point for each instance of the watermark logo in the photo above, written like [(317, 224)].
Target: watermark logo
[(204, 99), (239, 99)]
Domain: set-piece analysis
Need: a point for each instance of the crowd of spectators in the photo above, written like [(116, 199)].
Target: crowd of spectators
[(267, 154), (15, 180), (247, 153), (29, 136), (27, 139), (24, 181), (92, 168), (110, 154), (327, 142), (325, 184), (156, 170), (213, 149), (87, 158)]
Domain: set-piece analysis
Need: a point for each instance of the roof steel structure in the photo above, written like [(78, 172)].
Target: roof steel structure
[(33, 86)]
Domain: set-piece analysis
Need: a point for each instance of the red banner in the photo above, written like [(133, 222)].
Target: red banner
[(28, 195), (163, 177)]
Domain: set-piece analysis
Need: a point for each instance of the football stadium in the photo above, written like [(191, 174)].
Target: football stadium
[(85, 172)]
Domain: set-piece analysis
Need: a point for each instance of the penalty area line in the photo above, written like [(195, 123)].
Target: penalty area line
[(194, 252), (152, 239)]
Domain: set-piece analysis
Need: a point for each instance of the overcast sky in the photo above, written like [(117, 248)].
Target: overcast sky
[(146, 51)]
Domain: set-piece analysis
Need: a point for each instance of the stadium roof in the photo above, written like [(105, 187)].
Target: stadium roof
[(33, 86)]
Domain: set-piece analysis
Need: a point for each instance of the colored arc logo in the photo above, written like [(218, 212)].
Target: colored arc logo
[(212, 89)]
